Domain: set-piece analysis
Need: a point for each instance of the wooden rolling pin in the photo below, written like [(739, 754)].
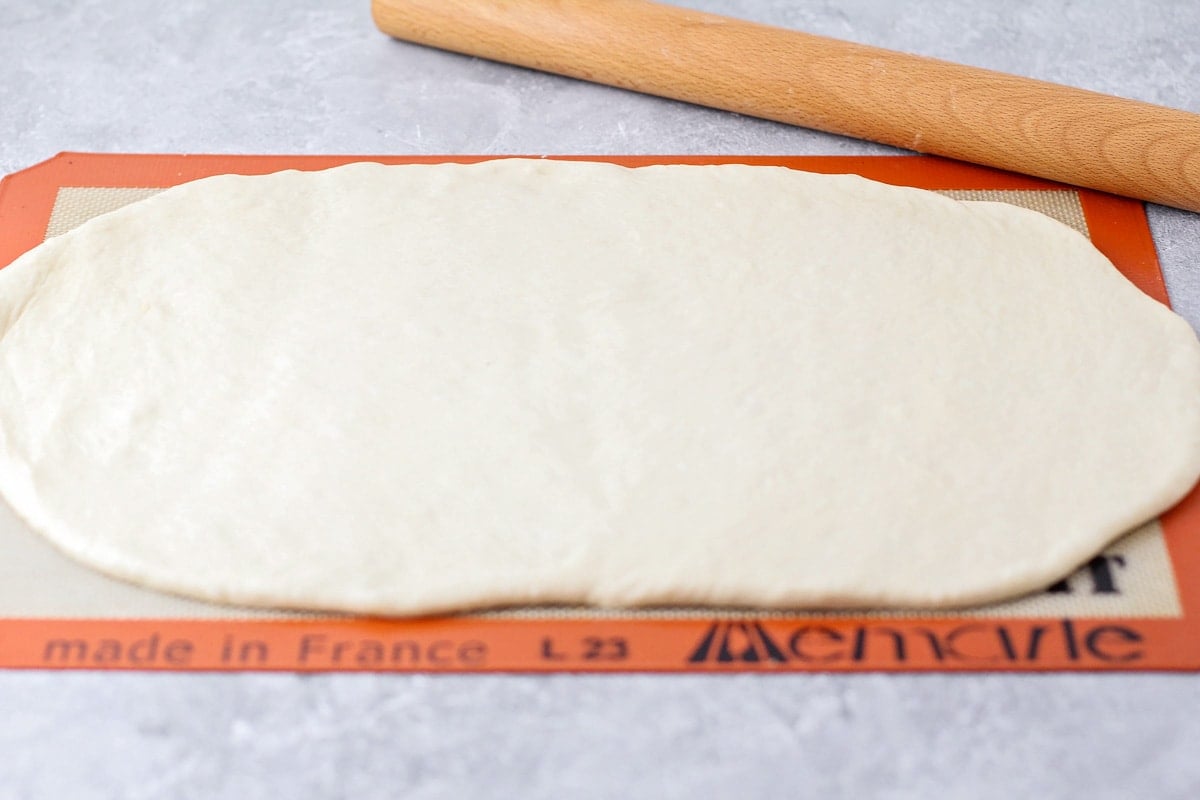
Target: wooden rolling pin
[(1056, 132)]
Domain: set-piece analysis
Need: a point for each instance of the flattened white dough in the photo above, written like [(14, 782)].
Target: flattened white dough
[(419, 388)]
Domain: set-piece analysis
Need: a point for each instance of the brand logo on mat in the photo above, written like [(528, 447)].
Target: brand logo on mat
[(737, 643), (919, 643)]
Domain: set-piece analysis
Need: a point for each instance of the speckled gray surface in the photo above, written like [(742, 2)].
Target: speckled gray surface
[(313, 76)]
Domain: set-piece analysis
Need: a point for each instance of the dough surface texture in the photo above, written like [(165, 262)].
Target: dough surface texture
[(414, 389)]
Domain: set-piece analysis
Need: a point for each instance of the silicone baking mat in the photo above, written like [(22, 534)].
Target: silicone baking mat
[(1136, 606)]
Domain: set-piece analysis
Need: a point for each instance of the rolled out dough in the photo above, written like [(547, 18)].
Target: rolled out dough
[(414, 389)]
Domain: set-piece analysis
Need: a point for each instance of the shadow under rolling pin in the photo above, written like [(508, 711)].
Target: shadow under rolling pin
[(1057, 132)]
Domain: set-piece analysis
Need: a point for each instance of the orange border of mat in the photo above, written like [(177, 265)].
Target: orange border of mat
[(464, 644)]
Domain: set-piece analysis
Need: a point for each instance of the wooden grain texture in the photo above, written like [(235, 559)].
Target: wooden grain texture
[(1057, 132)]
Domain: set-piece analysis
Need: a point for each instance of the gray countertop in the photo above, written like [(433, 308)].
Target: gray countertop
[(314, 76)]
